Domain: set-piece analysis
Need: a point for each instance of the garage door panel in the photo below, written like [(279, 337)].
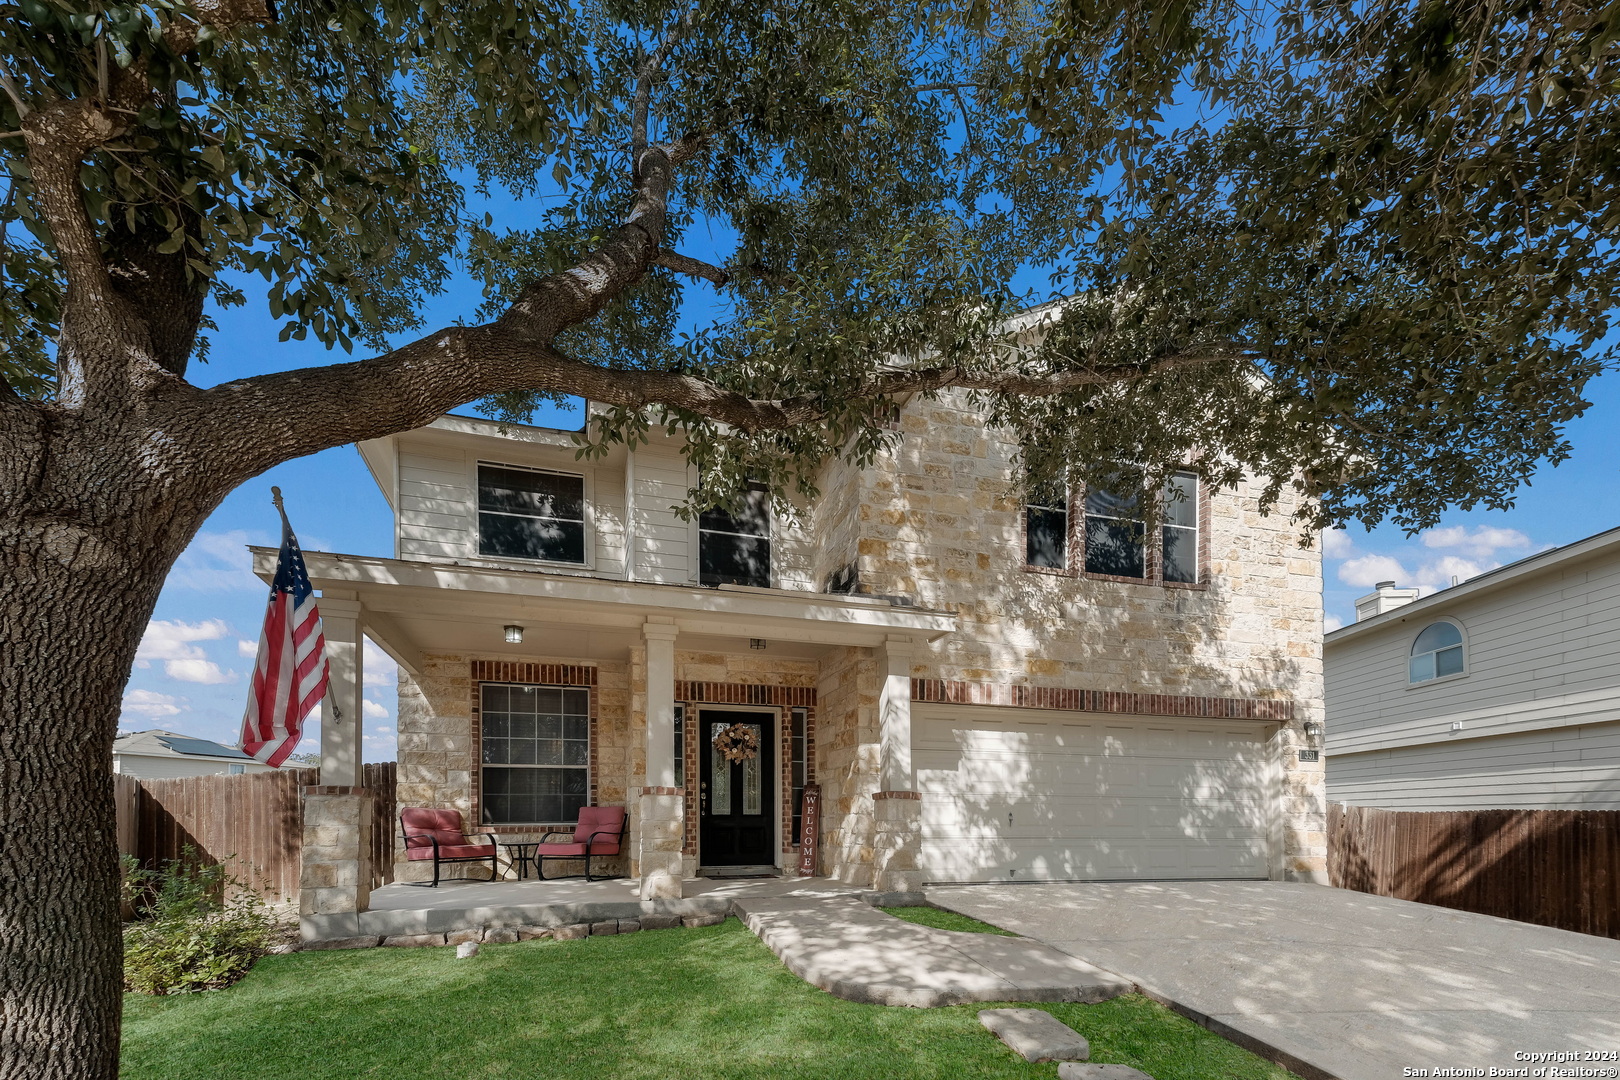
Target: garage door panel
[(1008, 796)]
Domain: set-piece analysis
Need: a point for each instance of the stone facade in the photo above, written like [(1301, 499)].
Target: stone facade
[(336, 872)]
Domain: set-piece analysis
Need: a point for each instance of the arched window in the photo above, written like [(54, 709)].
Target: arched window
[(1436, 653)]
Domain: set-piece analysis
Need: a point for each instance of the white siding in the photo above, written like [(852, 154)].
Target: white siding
[(1538, 707), (154, 767), (1570, 768), (793, 553), (438, 506), (663, 541)]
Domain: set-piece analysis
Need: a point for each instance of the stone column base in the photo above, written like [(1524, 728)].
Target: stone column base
[(336, 874), (662, 827), (896, 841)]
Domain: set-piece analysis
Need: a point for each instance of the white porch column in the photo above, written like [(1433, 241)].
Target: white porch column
[(896, 806), (340, 734), (336, 874), (663, 805)]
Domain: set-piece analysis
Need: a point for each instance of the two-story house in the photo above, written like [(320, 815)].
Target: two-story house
[(985, 684)]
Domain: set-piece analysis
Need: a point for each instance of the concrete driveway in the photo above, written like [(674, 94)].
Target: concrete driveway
[(1354, 986)]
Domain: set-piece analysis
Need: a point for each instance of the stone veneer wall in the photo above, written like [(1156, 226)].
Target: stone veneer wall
[(438, 744), (941, 521), (847, 762)]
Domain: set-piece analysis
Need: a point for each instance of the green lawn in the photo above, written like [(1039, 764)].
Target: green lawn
[(940, 919), (709, 1002)]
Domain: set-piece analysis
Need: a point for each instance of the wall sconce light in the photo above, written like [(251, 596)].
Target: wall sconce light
[(756, 643), (514, 634), (1313, 730)]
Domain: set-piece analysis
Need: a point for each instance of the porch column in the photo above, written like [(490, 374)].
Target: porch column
[(663, 805), (336, 874), (896, 806)]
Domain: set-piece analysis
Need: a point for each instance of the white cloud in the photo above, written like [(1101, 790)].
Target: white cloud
[(1482, 542), (1369, 570), (216, 562), (174, 644), (247, 649), (1331, 623), (151, 703), (380, 669), (205, 672), (1438, 574), (374, 710), (1336, 544)]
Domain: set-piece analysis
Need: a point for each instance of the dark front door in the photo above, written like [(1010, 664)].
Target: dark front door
[(737, 798)]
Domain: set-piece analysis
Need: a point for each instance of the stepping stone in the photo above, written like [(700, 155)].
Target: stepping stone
[(1036, 1035), (1074, 1070)]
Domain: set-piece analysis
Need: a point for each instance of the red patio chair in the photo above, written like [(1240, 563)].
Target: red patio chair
[(598, 833), (437, 835)]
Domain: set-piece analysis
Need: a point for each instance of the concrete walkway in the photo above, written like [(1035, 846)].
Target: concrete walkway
[(1357, 987), (854, 951)]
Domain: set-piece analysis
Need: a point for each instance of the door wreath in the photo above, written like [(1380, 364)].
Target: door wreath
[(739, 742)]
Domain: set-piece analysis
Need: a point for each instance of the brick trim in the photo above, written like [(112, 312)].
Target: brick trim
[(713, 693), (1015, 695), (532, 674), (663, 791), (336, 789), (912, 795)]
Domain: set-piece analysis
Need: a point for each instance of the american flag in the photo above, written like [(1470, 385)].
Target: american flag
[(289, 676)]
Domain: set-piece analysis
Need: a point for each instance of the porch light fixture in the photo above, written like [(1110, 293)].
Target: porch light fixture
[(514, 634), (756, 643), (1313, 730)]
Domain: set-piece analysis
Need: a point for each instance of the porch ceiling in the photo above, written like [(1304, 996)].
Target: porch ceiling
[(421, 607)]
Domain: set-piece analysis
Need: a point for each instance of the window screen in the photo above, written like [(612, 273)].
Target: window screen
[(531, 514), (1046, 528), (1181, 528), (735, 549), (1115, 533), (536, 753)]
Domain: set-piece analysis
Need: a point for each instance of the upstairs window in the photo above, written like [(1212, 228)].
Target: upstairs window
[(735, 549), (1046, 528), (531, 514), (1181, 528), (1436, 653), (1116, 536)]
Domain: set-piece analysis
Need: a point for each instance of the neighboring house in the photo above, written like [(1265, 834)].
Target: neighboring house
[(984, 688), (1500, 692), (157, 755)]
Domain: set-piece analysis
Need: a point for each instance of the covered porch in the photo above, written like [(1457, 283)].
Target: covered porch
[(825, 678)]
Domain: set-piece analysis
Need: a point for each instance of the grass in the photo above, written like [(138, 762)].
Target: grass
[(709, 1002), (940, 919)]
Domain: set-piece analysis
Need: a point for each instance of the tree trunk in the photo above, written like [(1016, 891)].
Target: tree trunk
[(74, 602)]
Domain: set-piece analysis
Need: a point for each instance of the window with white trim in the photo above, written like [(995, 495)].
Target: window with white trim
[(1436, 653), (1116, 535), (1180, 528), (531, 514), (735, 548), (536, 753)]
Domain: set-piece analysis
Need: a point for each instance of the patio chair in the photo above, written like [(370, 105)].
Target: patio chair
[(599, 833), (438, 835)]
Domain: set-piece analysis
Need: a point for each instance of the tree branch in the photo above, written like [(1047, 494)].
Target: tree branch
[(683, 264), (642, 101), (10, 85)]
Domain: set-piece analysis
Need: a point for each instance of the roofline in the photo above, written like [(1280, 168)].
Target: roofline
[(1490, 581)]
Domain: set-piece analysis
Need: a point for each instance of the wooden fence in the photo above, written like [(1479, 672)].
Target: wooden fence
[(256, 820), (1553, 867)]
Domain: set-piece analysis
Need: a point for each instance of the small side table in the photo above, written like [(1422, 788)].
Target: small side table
[(520, 852)]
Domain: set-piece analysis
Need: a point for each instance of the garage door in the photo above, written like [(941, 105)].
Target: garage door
[(1024, 794)]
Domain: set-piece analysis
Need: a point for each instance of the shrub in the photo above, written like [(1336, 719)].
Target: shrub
[(194, 931)]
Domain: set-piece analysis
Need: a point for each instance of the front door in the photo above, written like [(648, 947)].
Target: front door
[(737, 789)]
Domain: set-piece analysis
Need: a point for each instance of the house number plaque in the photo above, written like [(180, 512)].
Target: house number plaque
[(810, 828)]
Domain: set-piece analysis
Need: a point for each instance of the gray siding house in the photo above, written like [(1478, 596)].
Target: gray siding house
[(1499, 693)]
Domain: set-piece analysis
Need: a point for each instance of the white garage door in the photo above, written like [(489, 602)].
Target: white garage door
[(1024, 794)]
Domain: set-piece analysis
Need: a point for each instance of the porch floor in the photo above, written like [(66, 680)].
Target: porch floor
[(457, 904)]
